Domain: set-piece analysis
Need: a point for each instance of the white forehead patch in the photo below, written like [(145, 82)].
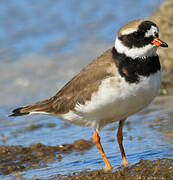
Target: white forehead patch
[(128, 31), (152, 31)]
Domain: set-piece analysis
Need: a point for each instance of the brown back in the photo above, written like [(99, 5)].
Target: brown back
[(79, 89)]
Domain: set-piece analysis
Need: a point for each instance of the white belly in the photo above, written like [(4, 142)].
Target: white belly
[(116, 99)]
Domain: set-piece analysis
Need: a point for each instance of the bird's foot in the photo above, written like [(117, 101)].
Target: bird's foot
[(108, 167)]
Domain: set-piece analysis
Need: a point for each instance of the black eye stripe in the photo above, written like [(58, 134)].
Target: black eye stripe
[(138, 34), (138, 39)]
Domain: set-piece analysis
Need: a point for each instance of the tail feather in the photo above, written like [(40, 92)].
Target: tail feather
[(18, 112), (42, 106)]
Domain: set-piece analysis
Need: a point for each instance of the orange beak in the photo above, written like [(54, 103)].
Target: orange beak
[(158, 42)]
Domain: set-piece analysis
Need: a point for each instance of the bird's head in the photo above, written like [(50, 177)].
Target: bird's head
[(138, 38)]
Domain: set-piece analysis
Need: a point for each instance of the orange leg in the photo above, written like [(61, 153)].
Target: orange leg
[(99, 146), (120, 142)]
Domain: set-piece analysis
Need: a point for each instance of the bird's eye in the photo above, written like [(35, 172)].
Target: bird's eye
[(156, 34)]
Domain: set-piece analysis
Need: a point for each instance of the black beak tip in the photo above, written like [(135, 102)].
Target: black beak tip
[(164, 44)]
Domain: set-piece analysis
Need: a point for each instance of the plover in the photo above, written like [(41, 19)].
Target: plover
[(119, 83)]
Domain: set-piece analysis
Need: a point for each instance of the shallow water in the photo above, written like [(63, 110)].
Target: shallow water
[(43, 44)]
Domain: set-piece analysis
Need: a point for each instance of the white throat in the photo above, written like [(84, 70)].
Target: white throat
[(134, 52)]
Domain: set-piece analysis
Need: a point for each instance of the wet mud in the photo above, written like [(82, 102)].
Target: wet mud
[(15, 159), (160, 169), (19, 158)]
